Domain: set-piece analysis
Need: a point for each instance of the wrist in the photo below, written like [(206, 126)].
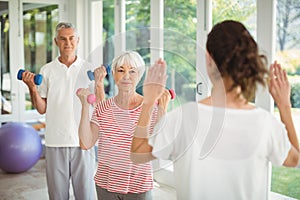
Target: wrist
[(86, 107), (141, 131), (33, 90), (99, 83), (149, 102), (284, 106)]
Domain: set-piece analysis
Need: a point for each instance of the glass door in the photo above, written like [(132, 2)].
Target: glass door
[(39, 21), (5, 84), (27, 31)]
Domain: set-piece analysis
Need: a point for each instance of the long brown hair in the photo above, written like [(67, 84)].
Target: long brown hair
[(236, 55)]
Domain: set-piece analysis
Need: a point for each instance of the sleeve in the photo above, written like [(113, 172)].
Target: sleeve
[(100, 109), (279, 144), (96, 115), (175, 132), (43, 87), (164, 135)]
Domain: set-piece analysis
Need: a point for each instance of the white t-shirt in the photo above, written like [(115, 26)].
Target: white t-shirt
[(59, 86), (220, 153)]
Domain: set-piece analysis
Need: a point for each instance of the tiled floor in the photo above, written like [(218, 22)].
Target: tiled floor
[(31, 185)]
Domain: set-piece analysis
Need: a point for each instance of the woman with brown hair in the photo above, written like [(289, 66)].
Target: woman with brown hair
[(221, 146)]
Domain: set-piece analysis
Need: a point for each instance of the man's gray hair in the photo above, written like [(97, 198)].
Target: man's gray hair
[(63, 25)]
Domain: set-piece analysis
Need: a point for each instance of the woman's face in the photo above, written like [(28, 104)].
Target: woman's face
[(126, 77)]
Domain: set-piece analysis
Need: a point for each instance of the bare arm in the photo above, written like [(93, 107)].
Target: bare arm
[(100, 74), (280, 90), (88, 131), (163, 103), (154, 86), (37, 101)]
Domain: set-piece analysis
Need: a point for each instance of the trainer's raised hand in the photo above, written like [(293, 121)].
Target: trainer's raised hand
[(279, 85), (155, 81)]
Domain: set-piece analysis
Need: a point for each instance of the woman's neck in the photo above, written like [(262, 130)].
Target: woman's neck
[(128, 99), (223, 95)]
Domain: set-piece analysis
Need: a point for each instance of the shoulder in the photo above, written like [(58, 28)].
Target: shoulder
[(50, 66), (104, 106), (188, 108), (182, 113), (83, 63), (268, 117)]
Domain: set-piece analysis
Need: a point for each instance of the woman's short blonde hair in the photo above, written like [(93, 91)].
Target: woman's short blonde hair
[(131, 58)]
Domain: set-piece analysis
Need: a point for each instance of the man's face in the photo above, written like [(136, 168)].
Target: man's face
[(67, 41)]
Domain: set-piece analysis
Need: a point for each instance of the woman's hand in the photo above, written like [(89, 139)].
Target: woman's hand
[(279, 85), (100, 74), (83, 94), (155, 81), (164, 100)]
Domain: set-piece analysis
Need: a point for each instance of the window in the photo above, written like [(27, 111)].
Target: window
[(137, 31), (5, 80), (39, 21), (286, 180), (180, 24)]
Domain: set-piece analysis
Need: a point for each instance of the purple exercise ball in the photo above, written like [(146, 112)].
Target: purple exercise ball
[(20, 147)]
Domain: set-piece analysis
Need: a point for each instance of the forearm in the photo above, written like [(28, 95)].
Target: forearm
[(160, 113), (87, 133), (37, 101), (286, 118), (140, 137), (99, 91)]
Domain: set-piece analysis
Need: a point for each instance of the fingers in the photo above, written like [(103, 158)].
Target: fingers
[(157, 73), (166, 95), (83, 91), (102, 68), (100, 73), (28, 78), (279, 85), (277, 74), (27, 75), (155, 81), (164, 99)]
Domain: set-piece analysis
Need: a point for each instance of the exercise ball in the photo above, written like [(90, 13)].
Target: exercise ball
[(20, 147)]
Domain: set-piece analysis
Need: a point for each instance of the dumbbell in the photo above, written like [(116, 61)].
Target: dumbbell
[(91, 74), (91, 97), (172, 93), (37, 78)]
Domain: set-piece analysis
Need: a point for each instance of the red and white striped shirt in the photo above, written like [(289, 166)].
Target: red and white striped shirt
[(115, 171)]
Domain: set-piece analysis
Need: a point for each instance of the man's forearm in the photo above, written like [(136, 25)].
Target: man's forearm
[(37, 101)]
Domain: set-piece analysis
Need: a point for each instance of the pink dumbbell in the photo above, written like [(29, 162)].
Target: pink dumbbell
[(91, 97), (172, 93)]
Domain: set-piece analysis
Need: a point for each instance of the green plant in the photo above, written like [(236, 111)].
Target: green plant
[(295, 95)]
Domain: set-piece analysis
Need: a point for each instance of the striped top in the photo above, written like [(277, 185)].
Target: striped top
[(115, 171)]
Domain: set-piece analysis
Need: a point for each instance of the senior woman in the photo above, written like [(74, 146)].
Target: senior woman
[(113, 123)]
